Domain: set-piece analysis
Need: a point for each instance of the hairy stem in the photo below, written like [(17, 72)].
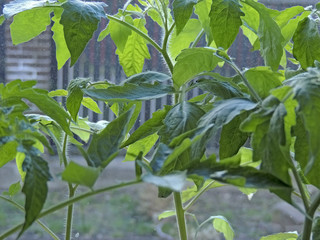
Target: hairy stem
[(196, 41), (69, 219), (307, 228), (180, 214), (45, 228), (71, 201)]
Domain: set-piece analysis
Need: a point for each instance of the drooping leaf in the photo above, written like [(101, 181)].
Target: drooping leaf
[(8, 150), (135, 52), (35, 20), (19, 6), (219, 88), (120, 33), (144, 145), (75, 95), (180, 119), (225, 21), (281, 236), (149, 127), (80, 20), (174, 181), (202, 9), (62, 51), (129, 92), (75, 173), (35, 184), (41, 99), (306, 89), (262, 79), (270, 36), (105, 145), (306, 47), (202, 59), (90, 104), (221, 224), (225, 111), (179, 42), (231, 138), (148, 77), (182, 10)]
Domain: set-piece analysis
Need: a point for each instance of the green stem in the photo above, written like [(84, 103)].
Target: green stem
[(71, 201), (307, 228), (82, 129), (164, 51), (300, 187), (196, 41), (70, 213), (46, 228), (202, 191), (180, 214), (246, 82)]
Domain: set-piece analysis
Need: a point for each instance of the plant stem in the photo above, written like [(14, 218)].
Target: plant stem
[(69, 202), (196, 41), (202, 191), (180, 214), (307, 228), (301, 188), (69, 219), (246, 82), (46, 228), (164, 47)]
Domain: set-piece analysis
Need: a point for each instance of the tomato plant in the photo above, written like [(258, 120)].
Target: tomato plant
[(267, 115)]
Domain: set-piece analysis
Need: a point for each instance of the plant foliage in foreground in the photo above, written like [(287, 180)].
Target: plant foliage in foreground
[(267, 115)]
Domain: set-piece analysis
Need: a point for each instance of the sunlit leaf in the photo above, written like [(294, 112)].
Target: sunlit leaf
[(182, 10)]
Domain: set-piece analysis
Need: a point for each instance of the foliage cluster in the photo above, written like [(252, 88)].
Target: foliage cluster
[(267, 114)]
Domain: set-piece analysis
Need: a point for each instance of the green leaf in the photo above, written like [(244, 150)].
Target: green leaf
[(129, 92), (166, 214), (180, 119), (202, 9), (41, 99), (120, 33), (58, 93), (13, 189), (35, 185), (148, 77), (225, 111), (135, 52), (221, 224), (174, 181), (219, 88), (35, 20), (203, 59), (270, 37), (316, 229), (231, 138), (225, 21), (62, 51), (105, 145), (91, 104), (75, 173), (2, 19), (75, 95), (306, 47), (182, 10), (263, 79), (80, 129), (281, 236), (143, 145), (306, 89), (18, 6), (80, 20), (179, 42), (8, 150), (149, 127)]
